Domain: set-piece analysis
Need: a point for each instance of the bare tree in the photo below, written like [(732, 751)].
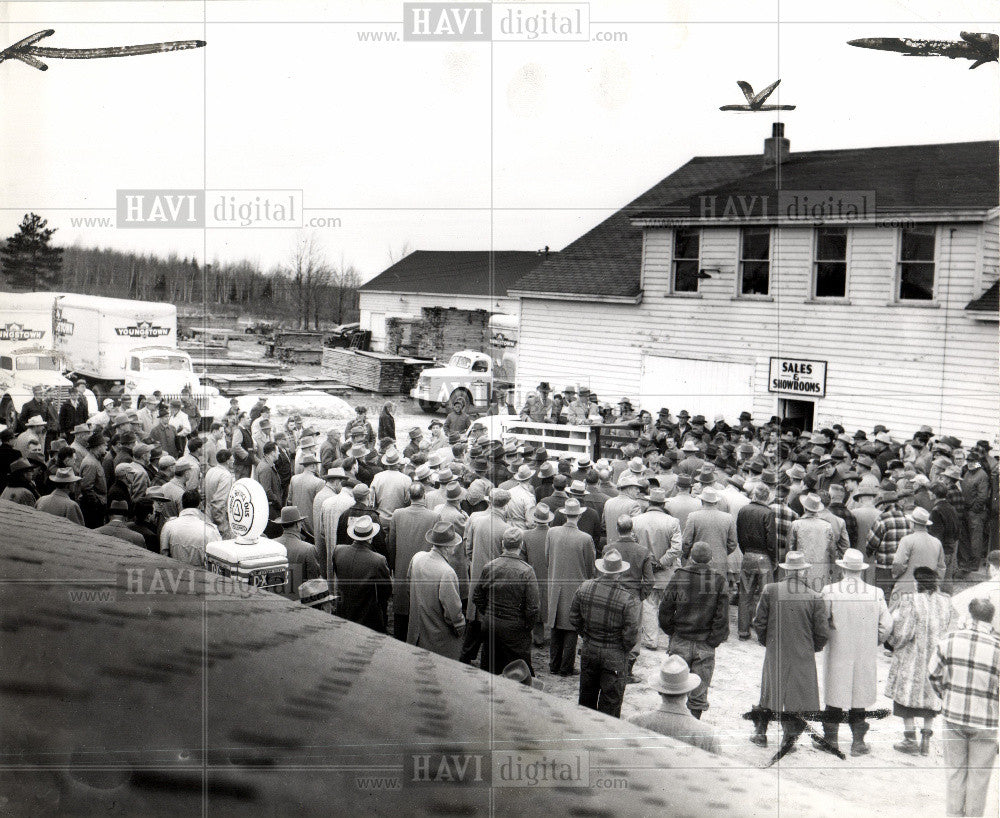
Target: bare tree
[(309, 274), (400, 253)]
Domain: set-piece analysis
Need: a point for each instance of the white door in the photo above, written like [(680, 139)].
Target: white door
[(706, 388), (378, 330)]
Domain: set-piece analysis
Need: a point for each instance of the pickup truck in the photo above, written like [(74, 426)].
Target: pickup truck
[(469, 374)]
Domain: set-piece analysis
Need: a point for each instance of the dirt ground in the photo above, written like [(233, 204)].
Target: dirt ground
[(883, 783)]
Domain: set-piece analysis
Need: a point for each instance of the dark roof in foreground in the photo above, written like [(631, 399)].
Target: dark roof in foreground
[(606, 260), (457, 272), (989, 301)]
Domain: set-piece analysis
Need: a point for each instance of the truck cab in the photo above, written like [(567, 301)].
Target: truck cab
[(468, 374), (24, 368), (169, 370)]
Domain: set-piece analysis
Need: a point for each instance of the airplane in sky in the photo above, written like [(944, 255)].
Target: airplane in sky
[(27, 52), (756, 102), (976, 46)]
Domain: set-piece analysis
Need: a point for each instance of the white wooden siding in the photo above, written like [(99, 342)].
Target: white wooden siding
[(902, 365)]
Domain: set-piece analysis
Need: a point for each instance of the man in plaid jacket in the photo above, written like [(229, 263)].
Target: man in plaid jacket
[(883, 540), (965, 673), (607, 619)]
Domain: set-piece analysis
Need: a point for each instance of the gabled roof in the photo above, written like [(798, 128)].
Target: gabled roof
[(903, 179), (457, 272), (989, 301), (606, 261)]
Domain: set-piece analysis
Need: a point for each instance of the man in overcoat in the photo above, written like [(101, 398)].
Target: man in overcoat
[(363, 580), (792, 623), (570, 554), (859, 622), (408, 528), (435, 619)]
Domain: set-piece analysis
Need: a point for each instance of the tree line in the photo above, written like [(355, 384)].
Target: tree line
[(307, 290)]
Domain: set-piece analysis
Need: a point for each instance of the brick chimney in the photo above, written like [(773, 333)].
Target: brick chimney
[(776, 147)]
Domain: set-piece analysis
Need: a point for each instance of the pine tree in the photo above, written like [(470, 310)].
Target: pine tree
[(29, 261)]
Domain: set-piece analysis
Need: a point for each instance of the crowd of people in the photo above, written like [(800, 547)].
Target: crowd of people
[(482, 549)]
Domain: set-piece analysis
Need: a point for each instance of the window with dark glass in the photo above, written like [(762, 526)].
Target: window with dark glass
[(687, 243), (831, 262), (755, 261), (916, 264)]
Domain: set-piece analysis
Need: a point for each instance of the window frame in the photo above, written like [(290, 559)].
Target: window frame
[(740, 261), (672, 289), (816, 261), (897, 297)]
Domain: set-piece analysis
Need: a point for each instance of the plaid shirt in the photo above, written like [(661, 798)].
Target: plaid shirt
[(605, 614), (956, 498), (883, 540), (965, 673), (783, 519)]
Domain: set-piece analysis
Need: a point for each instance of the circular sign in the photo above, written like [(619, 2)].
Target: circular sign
[(247, 507)]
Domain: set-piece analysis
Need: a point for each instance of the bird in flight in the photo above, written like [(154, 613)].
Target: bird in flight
[(976, 46), (756, 102), (27, 52)]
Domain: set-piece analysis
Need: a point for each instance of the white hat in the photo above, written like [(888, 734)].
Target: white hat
[(853, 560), (674, 677)]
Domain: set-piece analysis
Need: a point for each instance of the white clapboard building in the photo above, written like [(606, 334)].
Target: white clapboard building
[(856, 286), (463, 279)]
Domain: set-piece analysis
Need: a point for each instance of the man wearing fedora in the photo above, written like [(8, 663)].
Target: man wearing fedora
[(659, 534), (607, 619), (674, 682), (362, 507), (534, 552), (19, 487), (638, 580), (884, 537), (682, 503), (303, 557), (522, 498), (93, 488), (434, 617), (571, 554), (315, 593), (60, 502), (302, 491), (815, 539), (918, 548), (756, 533), (588, 522), (117, 525), (625, 503), (408, 528), (976, 493), (694, 613), (363, 580), (859, 622), (793, 625), (389, 487), (483, 544), (506, 594), (713, 526)]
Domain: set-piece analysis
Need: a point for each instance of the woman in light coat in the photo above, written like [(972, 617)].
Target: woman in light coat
[(921, 621)]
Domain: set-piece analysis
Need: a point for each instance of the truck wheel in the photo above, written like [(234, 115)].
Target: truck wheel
[(429, 406), (466, 395), (8, 415)]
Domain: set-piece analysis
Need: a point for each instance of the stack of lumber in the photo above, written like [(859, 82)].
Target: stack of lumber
[(372, 371), (298, 346), (438, 333)]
